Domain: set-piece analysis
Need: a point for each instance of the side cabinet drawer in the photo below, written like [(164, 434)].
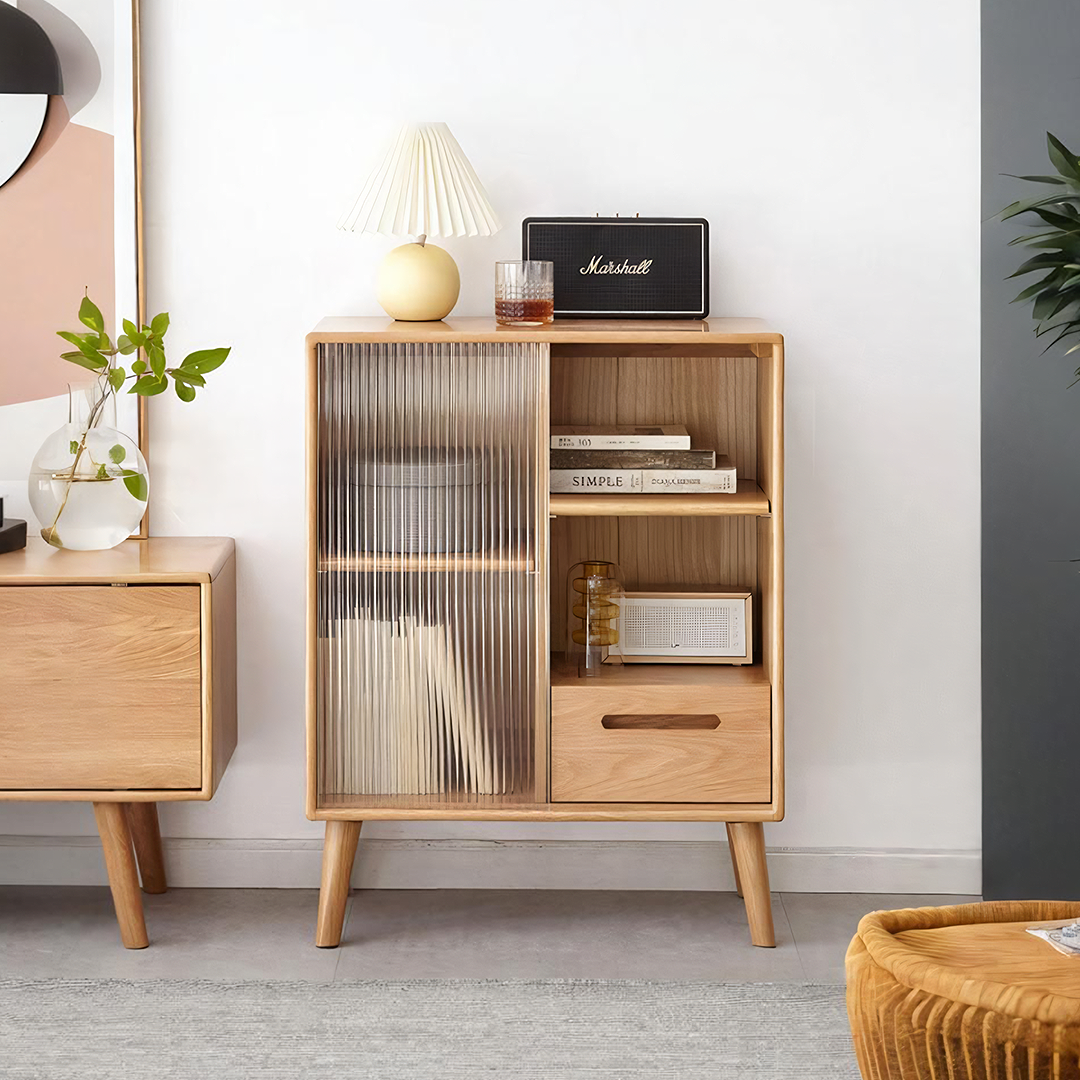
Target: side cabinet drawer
[(660, 744), (101, 687)]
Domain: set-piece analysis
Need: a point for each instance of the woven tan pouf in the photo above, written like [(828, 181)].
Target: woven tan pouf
[(963, 993)]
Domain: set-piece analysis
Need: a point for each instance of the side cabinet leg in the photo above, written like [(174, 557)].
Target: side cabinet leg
[(146, 835), (748, 844), (112, 823), (734, 861), (339, 851)]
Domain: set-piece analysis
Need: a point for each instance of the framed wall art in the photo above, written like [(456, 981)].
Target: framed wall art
[(70, 209)]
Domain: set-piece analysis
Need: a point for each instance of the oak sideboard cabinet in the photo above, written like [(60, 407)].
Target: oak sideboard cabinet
[(438, 685), (118, 688)]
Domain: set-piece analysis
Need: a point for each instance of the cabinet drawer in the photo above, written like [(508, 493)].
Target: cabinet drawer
[(101, 687), (660, 744)]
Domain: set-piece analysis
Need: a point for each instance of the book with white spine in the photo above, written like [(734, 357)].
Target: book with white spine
[(621, 437), (719, 481)]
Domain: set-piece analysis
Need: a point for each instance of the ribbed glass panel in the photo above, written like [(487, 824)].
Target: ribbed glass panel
[(428, 597)]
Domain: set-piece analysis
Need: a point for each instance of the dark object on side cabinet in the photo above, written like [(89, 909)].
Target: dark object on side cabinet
[(12, 532), (628, 268)]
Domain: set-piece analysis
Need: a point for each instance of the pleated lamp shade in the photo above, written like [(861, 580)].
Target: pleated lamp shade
[(425, 186)]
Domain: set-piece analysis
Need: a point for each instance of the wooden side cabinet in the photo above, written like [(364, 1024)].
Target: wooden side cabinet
[(437, 583), (118, 688)]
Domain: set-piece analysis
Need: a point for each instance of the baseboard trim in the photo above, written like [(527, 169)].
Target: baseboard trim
[(500, 864)]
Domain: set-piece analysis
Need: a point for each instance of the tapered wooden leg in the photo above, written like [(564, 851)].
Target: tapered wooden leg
[(748, 845), (112, 823), (146, 836), (734, 861), (339, 851)]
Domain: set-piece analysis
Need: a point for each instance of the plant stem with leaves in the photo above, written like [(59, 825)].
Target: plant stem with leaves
[(95, 351)]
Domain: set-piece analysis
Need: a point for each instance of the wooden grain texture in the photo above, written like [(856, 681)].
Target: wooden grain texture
[(734, 861), (709, 680), (714, 397), (542, 630), (219, 659), (591, 763), (311, 665), (711, 396), (769, 432), (599, 331), (339, 851), (688, 551), (585, 391), (964, 992), (140, 234), (146, 839), (769, 643), (103, 687), (116, 846), (769, 636), (590, 350), (158, 560), (424, 808), (721, 540), (653, 551), (660, 721), (748, 843)]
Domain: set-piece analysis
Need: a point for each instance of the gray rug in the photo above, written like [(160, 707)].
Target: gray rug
[(165, 1030)]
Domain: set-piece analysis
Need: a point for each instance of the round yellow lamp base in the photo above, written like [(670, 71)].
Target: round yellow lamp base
[(418, 283)]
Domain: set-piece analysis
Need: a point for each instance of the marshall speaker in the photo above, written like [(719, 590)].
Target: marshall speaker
[(626, 268)]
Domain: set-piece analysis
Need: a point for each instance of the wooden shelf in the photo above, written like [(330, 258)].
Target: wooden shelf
[(634, 676), (442, 563), (159, 560), (447, 801), (413, 808), (749, 500), (594, 331)]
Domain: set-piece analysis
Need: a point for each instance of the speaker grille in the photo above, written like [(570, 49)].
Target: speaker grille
[(692, 627), (674, 285)]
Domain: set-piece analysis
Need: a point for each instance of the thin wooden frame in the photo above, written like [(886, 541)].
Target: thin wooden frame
[(140, 246), (85, 35)]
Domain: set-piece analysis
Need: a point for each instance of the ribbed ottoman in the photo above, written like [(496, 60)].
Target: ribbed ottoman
[(963, 993)]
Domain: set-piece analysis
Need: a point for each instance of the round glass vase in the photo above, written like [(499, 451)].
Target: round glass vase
[(595, 597), (89, 483)]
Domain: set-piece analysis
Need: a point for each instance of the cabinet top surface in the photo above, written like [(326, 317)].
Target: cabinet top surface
[(569, 331), (176, 559)]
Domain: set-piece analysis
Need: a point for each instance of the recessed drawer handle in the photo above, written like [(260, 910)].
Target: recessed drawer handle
[(661, 721)]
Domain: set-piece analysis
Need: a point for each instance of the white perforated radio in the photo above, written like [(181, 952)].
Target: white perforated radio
[(665, 627)]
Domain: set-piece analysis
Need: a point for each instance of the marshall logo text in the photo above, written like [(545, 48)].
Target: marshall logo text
[(598, 266)]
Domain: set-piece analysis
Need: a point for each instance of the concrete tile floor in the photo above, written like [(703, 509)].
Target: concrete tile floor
[(230, 934)]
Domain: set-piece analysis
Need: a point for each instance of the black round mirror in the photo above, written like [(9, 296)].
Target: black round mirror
[(29, 75)]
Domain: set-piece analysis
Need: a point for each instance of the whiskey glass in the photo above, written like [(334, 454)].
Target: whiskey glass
[(524, 293)]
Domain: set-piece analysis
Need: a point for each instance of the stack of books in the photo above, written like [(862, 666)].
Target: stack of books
[(629, 460), (402, 711)]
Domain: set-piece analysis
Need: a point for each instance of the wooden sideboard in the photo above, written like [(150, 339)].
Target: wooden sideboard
[(437, 686), (118, 688)]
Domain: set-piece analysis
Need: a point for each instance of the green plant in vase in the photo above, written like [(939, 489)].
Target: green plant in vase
[(1055, 298), (89, 483)]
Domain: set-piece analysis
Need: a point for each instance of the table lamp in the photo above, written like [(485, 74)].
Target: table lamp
[(424, 187)]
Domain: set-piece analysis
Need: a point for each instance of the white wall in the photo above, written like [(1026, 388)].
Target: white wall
[(833, 147)]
